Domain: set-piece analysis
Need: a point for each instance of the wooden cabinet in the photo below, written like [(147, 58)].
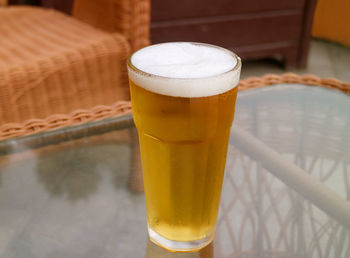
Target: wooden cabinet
[(251, 28)]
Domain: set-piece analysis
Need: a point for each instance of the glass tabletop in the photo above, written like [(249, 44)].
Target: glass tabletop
[(78, 192)]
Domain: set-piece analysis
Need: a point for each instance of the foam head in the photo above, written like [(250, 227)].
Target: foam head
[(184, 69)]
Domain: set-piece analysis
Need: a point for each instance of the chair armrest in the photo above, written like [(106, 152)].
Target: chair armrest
[(131, 18)]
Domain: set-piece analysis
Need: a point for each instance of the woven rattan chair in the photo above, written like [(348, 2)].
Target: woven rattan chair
[(51, 63)]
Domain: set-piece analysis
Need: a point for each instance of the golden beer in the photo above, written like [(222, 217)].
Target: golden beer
[(183, 143)]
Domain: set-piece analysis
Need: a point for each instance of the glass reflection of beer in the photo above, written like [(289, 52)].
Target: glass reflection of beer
[(183, 100)]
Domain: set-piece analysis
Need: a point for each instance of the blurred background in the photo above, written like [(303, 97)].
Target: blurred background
[(58, 56), (272, 36)]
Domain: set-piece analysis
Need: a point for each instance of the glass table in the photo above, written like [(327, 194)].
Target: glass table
[(77, 191)]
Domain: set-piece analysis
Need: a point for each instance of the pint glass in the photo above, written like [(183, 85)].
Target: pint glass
[(183, 100)]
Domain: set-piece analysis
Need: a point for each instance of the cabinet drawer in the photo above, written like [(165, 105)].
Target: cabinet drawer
[(179, 9), (232, 31)]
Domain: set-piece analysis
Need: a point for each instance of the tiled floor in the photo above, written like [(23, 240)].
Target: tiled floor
[(326, 59)]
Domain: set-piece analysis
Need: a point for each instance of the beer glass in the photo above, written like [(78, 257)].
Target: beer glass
[(183, 100)]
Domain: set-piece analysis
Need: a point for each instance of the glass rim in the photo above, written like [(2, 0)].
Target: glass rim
[(237, 67)]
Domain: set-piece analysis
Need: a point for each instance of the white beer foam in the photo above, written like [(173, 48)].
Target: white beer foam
[(184, 69)]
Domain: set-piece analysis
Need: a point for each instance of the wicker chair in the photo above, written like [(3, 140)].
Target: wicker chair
[(51, 63)]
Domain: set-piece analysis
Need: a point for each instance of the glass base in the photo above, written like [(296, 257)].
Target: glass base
[(179, 246)]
